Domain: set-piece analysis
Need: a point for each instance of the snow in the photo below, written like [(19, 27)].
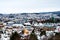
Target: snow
[(17, 25), (4, 37), (27, 23)]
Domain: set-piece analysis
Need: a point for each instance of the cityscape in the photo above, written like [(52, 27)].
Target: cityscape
[(30, 26), (29, 19)]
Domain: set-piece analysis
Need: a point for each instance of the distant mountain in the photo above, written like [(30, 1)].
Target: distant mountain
[(57, 12), (25, 14)]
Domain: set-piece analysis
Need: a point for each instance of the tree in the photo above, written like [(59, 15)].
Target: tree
[(43, 33), (33, 36), (15, 36), (33, 31)]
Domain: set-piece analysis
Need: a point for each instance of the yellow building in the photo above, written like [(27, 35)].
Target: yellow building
[(26, 32)]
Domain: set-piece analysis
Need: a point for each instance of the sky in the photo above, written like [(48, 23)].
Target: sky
[(29, 6)]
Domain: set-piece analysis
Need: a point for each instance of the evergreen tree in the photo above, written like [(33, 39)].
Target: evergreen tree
[(33, 36), (33, 31), (15, 36), (43, 33)]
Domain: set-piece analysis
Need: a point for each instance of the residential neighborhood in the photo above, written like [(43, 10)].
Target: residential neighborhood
[(29, 26)]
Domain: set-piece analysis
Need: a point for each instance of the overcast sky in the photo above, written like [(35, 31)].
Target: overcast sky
[(29, 6)]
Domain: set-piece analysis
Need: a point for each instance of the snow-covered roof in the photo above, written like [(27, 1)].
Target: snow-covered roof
[(10, 27), (17, 25), (27, 23), (36, 24), (4, 24), (57, 29), (11, 22), (4, 37), (40, 24)]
